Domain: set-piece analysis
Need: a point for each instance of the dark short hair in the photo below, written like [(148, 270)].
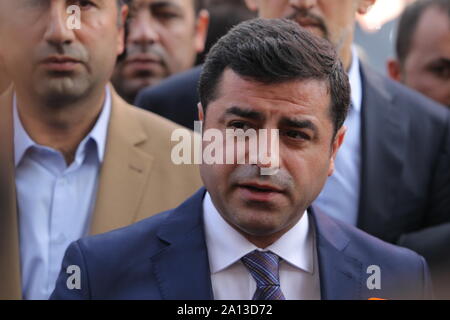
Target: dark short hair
[(274, 51), (408, 24)]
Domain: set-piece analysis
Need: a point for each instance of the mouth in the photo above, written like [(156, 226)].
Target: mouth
[(143, 66), (310, 24), (145, 59), (259, 192), (60, 63)]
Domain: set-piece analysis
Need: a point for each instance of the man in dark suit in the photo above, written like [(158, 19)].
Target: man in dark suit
[(250, 234), (392, 175)]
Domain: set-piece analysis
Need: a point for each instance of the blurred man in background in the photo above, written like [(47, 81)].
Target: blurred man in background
[(176, 98), (164, 38), (392, 174), (423, 49), (224, 14)]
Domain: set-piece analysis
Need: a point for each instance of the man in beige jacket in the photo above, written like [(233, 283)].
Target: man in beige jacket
[(75, 159)]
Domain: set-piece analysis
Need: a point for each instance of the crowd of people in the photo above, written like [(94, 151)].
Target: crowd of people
[(87, 176)]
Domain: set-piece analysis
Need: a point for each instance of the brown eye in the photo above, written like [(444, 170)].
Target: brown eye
[(85, 4), (239, 125), (298, 135)]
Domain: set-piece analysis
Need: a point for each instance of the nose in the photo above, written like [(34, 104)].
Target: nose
[(268, 151), (57, 32), (303, 4), (143, 31)]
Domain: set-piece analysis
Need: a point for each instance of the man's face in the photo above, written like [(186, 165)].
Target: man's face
[(330, 19), (48, 60), (263, 207), (164, 39), (427, 66)]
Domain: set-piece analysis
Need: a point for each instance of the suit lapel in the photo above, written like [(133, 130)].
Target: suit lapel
[(340, 274), (182, 268), (10, 283), (124, 173), (384, 132)]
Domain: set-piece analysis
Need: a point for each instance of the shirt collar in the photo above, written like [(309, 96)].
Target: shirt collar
[(227, 246), (354, 75), (22, 141)]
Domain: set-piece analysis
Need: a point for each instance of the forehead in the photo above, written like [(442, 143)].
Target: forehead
[(182, 4), (298, 97), (432, 34)]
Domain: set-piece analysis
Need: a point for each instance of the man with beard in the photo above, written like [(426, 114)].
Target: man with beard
[(75, 158), (251, 234), (392, 175), (164, 38)]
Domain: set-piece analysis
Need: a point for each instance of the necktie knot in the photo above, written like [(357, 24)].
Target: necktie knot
[(264, 268)]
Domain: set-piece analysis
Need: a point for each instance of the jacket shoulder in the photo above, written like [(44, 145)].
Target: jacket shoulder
[(129, 239), (181, 82)]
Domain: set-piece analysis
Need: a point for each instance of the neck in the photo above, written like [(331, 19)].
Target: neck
[(264, 241), (61, 128), (346, 59), (344, 49)]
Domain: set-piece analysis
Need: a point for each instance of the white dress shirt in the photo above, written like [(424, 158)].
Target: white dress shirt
[(231, 280), (340, 196), (55, 201)]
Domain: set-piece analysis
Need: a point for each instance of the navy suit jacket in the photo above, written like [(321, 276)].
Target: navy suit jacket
[(165, 257), (405, 170), (175, 98)]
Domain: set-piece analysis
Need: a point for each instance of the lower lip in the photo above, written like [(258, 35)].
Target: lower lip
[(312, 28), (61, 66), (259, 196)]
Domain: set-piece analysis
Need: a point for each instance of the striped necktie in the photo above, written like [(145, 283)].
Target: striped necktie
[(263, 266)]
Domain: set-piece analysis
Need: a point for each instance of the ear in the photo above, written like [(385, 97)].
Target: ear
[(394, 69), (201, 30), (252, 5), (365, 5), (201, 114), (123, 14), (338, 140)]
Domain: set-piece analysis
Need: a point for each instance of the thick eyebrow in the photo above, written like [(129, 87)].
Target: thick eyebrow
[(299, 124), (244, 113), (164, 5), (445, 61)]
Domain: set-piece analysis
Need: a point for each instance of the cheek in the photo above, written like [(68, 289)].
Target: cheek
[(215, 176), (422, 81), (178, 39), (308, 168)]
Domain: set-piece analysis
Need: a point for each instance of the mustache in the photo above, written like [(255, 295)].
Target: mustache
[(299, 14), (245, 173), (156, 51), (72, 51)]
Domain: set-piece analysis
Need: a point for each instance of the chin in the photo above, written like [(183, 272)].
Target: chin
[(61, 95)]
